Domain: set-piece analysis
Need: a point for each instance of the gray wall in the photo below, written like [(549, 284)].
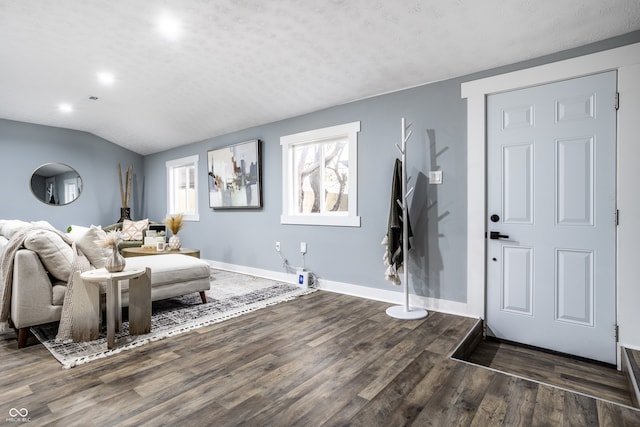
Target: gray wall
[(352, 255), (24, 147), (247, 238)]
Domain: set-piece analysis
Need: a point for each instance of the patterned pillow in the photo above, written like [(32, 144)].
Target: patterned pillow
[(132, 230)]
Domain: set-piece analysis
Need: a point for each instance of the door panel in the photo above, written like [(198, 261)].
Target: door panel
[(574, 287), (551, 181), (517, 282), (574, 180), (517, 186)]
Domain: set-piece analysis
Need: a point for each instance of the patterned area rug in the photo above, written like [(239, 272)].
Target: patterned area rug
[(231, 295)]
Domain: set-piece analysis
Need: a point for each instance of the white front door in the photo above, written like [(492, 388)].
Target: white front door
[(551, 216)]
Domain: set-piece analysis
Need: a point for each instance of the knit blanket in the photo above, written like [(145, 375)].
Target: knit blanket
[(80, 263), (16, 243)]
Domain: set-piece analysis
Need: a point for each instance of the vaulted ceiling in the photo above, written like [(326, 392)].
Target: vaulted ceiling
[(177, 72)]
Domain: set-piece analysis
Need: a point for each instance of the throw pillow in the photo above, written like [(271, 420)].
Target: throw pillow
[(132, 230), (43, 224), (56, 255), (88, 245), (76, 231)]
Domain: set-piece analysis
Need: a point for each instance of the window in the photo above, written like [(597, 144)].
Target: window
[(320, 171), (70, 190), (182, 188)]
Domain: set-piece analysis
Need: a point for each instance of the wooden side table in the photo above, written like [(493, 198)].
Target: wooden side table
[(86, 303), (131, 252)]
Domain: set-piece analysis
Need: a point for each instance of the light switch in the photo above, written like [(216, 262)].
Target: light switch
[(435, 177)]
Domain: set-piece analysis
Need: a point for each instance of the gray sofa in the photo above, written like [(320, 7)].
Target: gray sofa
[(40, 272)]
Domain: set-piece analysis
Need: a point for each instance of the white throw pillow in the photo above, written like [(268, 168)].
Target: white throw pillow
[(132, 230), (56, 255), (89, 246), (76, 231), (43, 224)]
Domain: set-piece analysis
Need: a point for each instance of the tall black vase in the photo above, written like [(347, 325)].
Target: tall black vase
[(125, 213)]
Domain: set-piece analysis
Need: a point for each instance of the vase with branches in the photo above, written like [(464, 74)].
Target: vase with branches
[(125, 193), (175, 223)]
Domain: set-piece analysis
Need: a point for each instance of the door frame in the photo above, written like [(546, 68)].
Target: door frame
[(625, 60)]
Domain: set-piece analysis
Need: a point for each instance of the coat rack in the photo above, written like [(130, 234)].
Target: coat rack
[(405, 311)]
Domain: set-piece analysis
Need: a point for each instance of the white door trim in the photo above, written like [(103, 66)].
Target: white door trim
[(476, 92)]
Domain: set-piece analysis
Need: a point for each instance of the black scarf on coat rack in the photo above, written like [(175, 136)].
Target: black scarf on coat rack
[(394, 231)]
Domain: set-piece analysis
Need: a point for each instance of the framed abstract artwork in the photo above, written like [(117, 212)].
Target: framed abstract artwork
[(235, 176)]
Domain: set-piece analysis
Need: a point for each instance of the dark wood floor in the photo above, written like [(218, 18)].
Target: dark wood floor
[(323, 359), (582, 376)]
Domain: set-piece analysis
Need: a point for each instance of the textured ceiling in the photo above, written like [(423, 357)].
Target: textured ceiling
[(241, 63)]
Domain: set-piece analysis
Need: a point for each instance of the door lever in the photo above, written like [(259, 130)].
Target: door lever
[(495, 235)]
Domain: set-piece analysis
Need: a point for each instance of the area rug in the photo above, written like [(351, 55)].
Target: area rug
[(231, 295)]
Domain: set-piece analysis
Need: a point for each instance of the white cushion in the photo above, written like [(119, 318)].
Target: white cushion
[(43, 224), (89, 246), (171, 268), (76, 231), (56, 255), (59, 289), (132, 230)]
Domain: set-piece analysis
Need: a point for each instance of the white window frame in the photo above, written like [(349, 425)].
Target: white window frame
[(70, 190), (290, 215), (183, 162)]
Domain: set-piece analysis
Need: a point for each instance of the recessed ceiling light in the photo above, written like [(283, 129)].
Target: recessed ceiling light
[(106, 78), (169, 27), (65, 108)]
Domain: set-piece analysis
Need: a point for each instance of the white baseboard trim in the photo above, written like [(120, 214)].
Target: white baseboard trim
[(390, 296), (258, 272), (395, 297)]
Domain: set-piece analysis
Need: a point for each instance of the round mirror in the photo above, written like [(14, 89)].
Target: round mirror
[(56, 184)]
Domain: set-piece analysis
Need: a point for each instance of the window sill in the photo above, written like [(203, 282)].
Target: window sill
[(328, 220), (188, 217)]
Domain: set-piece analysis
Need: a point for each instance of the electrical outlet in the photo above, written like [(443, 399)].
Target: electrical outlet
[(303, 247), (278, 246)]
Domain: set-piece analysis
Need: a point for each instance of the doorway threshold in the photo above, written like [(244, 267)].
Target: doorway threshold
[(593, 379)]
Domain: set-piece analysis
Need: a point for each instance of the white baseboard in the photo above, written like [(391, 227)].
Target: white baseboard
[(390, 296), (258, 272)]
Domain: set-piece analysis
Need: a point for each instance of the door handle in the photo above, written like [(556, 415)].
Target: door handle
[(495, 235)]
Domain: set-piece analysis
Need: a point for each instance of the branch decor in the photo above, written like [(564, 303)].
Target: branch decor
[(125, 192), (175, 223)]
